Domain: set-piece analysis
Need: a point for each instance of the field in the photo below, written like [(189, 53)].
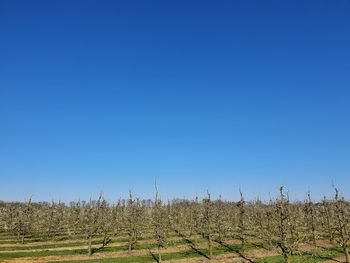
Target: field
[(135, 230), (178, 250)]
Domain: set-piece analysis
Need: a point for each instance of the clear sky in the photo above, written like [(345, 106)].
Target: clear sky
[(109, 95)]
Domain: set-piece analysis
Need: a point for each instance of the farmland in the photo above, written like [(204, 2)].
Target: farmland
[(198, 230)]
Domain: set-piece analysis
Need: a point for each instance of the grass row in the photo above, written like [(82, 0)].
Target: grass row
[(43, 253), (308, 257), (305, 257), (13, 255), (150, 258)]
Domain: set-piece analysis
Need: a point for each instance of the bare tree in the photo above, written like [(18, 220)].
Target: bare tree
[(287, 227), (73, 219), (89, 220), (241, 222), (160, 224), (208, 223), (54, 219), (326, 219), (134, 220), (105, 221), (311, 218), (220, 220), (21, 216), (262, 222), (342, 223), (117, 217)]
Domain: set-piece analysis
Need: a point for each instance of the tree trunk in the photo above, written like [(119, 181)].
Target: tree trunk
[(130, 244), (314, 240), (22, 240), (159, 255), (89, 246), (270, 244), (242, 249), (347, 256), (210, 245), (104, 242), (286, 258)]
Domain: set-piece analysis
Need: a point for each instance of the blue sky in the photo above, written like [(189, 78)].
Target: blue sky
[(109, 95)]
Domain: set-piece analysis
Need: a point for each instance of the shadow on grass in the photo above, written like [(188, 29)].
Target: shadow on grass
[(156, 259), (94, 250), (235, 250), (321, 256), (192, 245)]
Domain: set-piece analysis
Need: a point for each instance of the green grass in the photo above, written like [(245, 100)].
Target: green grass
[(318, 255), (21, 254), (33, 241), (307, 257), (58, 245), (165, 256), (12, 255), (42, 253)]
